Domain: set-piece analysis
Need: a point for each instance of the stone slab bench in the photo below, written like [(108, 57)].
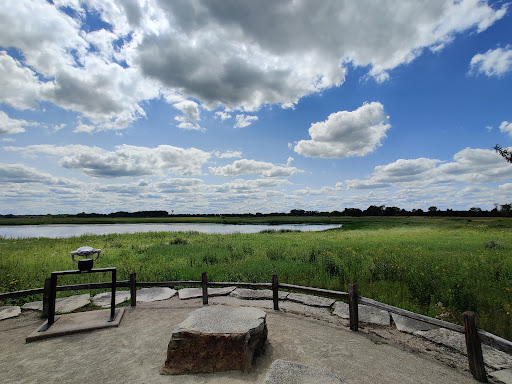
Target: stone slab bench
[(217, 338)]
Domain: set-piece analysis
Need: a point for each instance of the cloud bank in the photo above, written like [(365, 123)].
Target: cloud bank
[(236, 54)]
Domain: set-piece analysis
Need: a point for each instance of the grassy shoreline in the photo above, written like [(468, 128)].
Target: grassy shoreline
[(435, 266)]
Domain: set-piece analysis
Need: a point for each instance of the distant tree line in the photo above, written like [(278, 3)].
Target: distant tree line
[(373, 210), (382, 210)]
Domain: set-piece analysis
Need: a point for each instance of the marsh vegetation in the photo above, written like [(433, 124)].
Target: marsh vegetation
[(435, 266)]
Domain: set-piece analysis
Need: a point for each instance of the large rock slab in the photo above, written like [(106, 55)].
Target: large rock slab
[(216, 338), (366, 313), (305, 310), (314, 301), (194, 293), (62, 305), (257, 294), (235, 302), (154, 294), (287, 372), (406, 324), (9, 311), (492, 357), (504, 376), (104, 299)]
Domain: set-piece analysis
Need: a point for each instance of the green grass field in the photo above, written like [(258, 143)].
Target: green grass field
[(435, 266)]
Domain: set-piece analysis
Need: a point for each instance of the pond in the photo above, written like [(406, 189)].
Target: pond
[(55, 231)]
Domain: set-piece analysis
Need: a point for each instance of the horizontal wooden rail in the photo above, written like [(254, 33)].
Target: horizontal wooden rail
[(26, 292), (78, 287), (495, 341), (318, 291), (169, 284), (239, 285)]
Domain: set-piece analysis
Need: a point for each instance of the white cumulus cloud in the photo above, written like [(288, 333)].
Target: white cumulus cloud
[(494, 62), (228, 154), (223, 115), (253, 167), (471, 165), (347, 133), (506, 127), (9, 126), (243, 121), (125, 160)]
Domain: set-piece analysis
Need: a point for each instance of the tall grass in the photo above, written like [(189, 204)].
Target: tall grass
[(438, 267)]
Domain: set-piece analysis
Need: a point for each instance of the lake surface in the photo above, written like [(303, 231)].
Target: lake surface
[(55, 231)]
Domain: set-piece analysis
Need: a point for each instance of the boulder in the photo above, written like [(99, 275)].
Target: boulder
[(287, 372), (216, 338)]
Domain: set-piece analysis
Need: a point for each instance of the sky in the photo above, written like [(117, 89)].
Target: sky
[(233, 106)]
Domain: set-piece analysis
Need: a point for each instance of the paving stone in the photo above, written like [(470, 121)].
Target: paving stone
[(495, 358), (193, 293), (216, 338), (257, 294), (103, 299), (503, 376), (9, 311), (62, 305), (406, 324), (445, 337), (366, 313), (155, 294), (305, 310), (287, 372), (492, 357), (314, 301), (233, 301)]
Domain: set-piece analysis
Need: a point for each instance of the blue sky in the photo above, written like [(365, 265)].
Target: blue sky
[(253, 106)]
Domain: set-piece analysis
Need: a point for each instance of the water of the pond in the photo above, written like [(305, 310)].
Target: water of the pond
[(68, 230)]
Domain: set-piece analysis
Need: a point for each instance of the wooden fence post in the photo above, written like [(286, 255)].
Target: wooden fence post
[(474, 348), (352, 307), (204, 283), (46, 297), (275, 291), (133, 289)]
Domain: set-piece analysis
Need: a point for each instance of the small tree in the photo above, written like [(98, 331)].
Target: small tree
[(504, 152)]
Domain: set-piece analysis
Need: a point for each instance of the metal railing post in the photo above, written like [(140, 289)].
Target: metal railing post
[(46, 297)]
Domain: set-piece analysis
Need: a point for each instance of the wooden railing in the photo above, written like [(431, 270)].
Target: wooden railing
[(474, 337)]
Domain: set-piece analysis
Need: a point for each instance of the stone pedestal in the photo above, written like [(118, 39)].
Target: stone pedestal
[(216, 338)]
